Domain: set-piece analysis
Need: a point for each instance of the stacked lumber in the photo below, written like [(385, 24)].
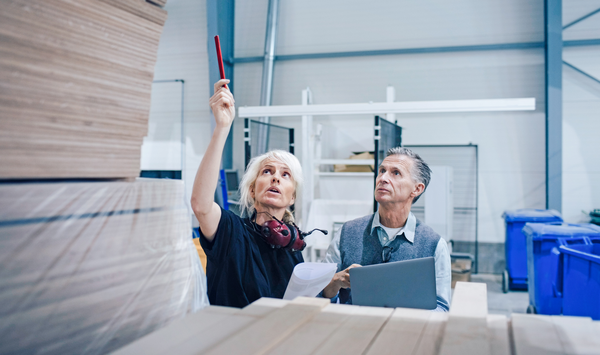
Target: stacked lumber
[(314, 326), (89, 267), (75, 86)]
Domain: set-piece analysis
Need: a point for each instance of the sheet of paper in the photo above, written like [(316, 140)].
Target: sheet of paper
[(308, 279)]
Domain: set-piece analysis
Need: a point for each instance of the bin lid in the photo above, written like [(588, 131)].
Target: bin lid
[(532, 215), (560, 230)]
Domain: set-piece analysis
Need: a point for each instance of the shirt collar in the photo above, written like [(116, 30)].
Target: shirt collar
[(408, 230)]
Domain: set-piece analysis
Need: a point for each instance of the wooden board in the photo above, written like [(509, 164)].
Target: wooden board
[(498, 338), (314, 326), (534, 334), (357, 332), (466, 329), (75, 85), (431, 339), (267, 332), (405, 327)]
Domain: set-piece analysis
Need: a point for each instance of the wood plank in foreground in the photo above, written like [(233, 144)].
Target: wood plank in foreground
[(466, 329), (267, 332), (404, 327), (355, 335), (534, 334)]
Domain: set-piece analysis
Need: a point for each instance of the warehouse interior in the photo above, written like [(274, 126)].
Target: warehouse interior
[(107, 128)]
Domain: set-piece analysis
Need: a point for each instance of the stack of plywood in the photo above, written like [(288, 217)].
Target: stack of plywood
[(314, 326), (89, 267), (75, 85)]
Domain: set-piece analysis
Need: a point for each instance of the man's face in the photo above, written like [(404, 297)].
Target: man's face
[(394, 182)]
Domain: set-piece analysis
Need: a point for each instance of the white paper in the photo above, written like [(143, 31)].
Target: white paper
[(308, 279)]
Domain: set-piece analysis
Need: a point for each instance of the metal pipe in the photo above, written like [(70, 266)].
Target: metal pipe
[(269, 56)]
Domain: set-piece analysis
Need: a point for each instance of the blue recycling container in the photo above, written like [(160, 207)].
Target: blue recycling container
[(516, 243), (581, 280), (543, 254)]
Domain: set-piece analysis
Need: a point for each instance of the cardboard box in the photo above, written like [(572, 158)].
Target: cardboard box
[(348, 168), (461, 267)]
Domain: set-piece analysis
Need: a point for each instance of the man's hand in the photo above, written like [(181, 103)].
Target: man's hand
[(339, 280), (222, 104)]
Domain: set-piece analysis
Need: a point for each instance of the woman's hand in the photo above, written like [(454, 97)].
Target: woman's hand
[(222, 104), (206, 210), (339, 280)]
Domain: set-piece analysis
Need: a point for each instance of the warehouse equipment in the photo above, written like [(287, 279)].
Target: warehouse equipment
[(515, 275), (260, 137), (543, 255), (389, 108)]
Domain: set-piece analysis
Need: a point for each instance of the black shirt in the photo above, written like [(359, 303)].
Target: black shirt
[(241, 266)]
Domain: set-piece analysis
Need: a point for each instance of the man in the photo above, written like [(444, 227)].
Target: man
[(393, 233)]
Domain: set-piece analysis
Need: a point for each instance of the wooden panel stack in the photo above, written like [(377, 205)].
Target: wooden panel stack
[(311, 326), (75, 86), (89, 267)]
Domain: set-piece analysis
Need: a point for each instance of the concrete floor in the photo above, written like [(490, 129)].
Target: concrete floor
[(499, 302)]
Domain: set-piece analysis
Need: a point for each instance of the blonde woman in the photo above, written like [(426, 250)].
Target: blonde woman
[(242, 265)]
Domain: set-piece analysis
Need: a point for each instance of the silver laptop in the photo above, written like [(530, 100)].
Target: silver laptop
[(409, 284)]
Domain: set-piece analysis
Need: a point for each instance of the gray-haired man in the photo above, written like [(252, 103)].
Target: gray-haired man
[(393, 233)]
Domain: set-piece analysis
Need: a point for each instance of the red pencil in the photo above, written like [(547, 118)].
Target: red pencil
[(220, 57)]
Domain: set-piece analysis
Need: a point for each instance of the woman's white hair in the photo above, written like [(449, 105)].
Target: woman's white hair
[(251, 174)]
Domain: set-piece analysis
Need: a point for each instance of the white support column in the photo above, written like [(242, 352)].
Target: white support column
[(390, 98), (307, 158)]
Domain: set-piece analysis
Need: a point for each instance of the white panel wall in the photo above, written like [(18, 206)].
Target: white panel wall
[(581, 114), (182, 54), (314, 26), (511, 145)]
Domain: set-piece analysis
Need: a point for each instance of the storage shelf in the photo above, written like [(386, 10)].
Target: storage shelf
[(357, 174), (345, 161)]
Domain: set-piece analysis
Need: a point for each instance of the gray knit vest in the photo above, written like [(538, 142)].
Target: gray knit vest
[(359, 246)]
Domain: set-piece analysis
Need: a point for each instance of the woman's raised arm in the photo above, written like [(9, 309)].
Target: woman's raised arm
[(207, 177)]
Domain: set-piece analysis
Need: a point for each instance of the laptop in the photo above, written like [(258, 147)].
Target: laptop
[(409, 284)]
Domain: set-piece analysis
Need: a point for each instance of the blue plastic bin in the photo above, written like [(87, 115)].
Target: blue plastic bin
[(543, 253), (581, 280), (516, 243)]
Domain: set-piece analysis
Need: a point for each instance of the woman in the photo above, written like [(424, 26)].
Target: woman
[(242, 266)]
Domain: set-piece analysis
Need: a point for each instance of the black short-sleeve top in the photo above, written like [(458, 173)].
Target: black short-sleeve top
[(241, 266)]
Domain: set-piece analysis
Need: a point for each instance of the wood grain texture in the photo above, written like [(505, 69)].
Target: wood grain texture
[(267, 332), (466, 329), (431, 338), (534, 334), (498, 334), (75, 86), (356, 334), (404, 327)]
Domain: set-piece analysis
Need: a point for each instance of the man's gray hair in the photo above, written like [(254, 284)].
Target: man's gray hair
[(420, 170)]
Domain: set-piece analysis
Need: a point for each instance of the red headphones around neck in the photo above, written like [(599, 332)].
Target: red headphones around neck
[(282, 235)]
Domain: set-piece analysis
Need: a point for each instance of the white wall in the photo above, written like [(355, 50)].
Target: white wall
[(511, 145), (182, 54), (581, 114)]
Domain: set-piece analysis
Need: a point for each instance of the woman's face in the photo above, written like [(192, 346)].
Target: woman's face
[(274, 187)]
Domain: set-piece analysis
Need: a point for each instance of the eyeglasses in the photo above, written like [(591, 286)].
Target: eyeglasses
[(386, 254)]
